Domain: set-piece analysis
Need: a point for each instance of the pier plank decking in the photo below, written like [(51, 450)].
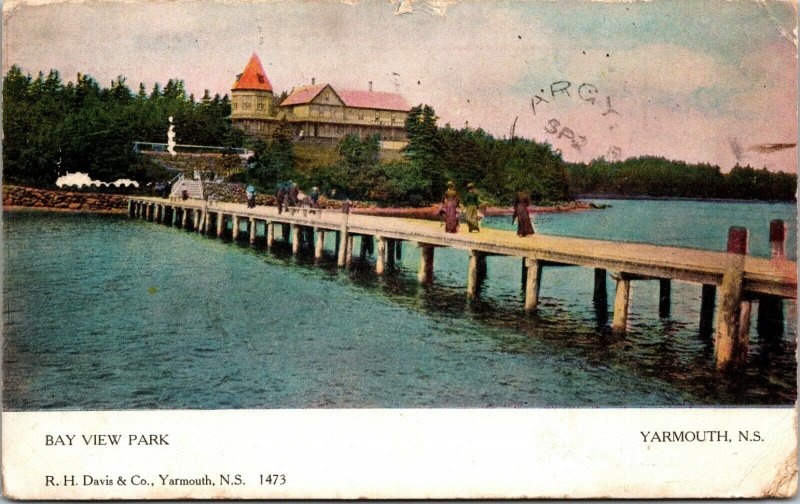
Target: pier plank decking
[(740, 278)]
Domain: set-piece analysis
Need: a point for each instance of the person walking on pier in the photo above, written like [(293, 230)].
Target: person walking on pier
[(471, 202), (293, 194), (524, 226), (450, 209), (280, 195), (251, 196), (314, 195)]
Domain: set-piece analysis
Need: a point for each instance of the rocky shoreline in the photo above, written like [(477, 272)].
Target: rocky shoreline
[(21, 197), (18, 197)]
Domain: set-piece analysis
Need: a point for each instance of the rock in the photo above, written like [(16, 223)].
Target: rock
[(74, 206)]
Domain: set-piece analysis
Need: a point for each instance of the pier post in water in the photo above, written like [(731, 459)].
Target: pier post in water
[(343, 240), (398, 249), (733, 319), (174, 216), (295, 238), (184, 217), (600, 296), (390, 246), (235, 230), (319, 243), (220, 224), (207, 222), (252, 229), (380, 257), (475, 273), (533, 282), (270, 233), (425, 274), (707, 302), (770, 308), (621, 304), (664, 297), (156, 211), (195, 219), (148, 210)]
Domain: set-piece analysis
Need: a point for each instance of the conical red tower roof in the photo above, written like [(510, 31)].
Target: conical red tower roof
[(253, 76)]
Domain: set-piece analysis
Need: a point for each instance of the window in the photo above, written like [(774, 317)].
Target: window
[(262, 104)]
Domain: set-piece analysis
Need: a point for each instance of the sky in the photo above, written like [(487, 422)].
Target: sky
[(711, 81)]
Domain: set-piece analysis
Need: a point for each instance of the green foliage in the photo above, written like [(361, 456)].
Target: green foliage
[(272, 161), (659, 177), (51, 128)]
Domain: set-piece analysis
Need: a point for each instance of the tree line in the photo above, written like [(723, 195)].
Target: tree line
[(52, 127), (660, 177)]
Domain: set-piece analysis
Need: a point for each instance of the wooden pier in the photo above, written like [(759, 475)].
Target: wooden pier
[(737, 278)]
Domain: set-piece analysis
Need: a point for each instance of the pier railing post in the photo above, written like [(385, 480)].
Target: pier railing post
[(770, 308), (733, 319), (621, 304), (533, 281), (425, 274)]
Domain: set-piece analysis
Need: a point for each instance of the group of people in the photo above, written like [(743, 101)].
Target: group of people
[(472, 203), (288, 194)]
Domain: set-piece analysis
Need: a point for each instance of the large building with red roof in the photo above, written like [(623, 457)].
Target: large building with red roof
[(317, 111)]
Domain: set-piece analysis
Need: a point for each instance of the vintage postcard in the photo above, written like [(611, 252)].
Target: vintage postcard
[(399, 249)]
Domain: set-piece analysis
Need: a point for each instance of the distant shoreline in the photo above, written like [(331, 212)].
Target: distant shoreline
[(675, 198)]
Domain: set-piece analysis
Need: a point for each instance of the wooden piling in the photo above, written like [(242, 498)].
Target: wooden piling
[(770, 308), (707, 303), (295, 239), (319, 243), (600, 296), (235, 230), (252, 229), (477, 261), (184, 218), (148, 211), (621, 304), (733, 320), (398, 249), (270, 234), (664, 297), (342, 241), (425, 274), (174, 216), (348, 255), (364, 248), (390, 246), (380, 257), (220, 224), (207, 222), (533, 281)]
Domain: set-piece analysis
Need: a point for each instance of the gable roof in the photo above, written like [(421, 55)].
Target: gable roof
[(374, 100), (354, 99), (253, 77), (303, 94)]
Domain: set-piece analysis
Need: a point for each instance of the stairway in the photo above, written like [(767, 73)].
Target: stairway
[(193, 187)]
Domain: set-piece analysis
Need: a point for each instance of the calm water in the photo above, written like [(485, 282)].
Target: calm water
[(105, 312)]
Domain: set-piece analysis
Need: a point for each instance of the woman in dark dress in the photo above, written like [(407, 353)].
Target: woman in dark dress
[(524, 226), (450, 209)]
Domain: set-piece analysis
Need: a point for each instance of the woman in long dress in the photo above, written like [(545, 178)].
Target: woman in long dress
[(450, 209), (471, 202), (524, 226)]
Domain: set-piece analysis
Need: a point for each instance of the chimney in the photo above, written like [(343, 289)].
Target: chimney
[(370, 85), (313, 80)]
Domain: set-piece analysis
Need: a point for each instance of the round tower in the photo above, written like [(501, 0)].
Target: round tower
[(251, 99)]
